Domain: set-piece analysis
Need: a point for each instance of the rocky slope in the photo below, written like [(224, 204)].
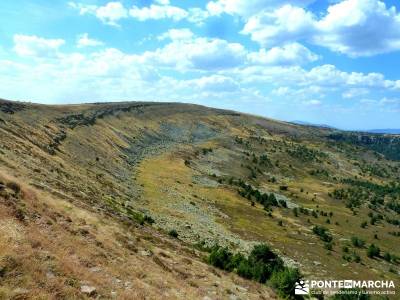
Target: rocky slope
[(89, 193)]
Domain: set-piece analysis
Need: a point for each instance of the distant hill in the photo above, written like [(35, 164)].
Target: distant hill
[(382, 131), (305, 123), (388, 131)]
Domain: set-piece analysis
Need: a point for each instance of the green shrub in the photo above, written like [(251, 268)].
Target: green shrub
[(364, 224), (373, 251), (261, 265), (284, 281), (264, 262), (328, 246), (283, 203), (148, 219), (356, 258), (357, 242), (220, 258), (262, 253), (235, 261), (387, 257), (244, 269), (173, 233), (260, 272), (295, 212), (323, 233)]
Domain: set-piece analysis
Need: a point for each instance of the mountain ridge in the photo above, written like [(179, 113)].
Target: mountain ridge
[(204, 175)]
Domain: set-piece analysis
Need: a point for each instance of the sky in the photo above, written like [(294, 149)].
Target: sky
[(326, 62)]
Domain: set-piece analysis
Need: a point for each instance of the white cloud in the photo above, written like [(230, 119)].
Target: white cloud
[(285, 24), (360, 28), (312, 102), (112, 12), (216, 83), (109, 14), (390, 104), (300, 92), (197, 15), (34, 46), (110, 75), (198, 54), (247, 8), (368, 102), (83, 8), (354, 93), (177, 34), (290, 54), (352, 27), (326, 81), (329, 75), (281, 91), (83, 40), (157, 12)]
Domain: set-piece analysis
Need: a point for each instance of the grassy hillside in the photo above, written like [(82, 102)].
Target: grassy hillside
[(101, 185)]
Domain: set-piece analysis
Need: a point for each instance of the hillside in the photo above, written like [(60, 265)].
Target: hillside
[(88, 194)]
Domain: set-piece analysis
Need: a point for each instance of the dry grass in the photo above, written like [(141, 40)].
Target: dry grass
[(61, 247)]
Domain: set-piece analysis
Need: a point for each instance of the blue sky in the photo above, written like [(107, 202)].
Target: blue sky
[(333, 62)]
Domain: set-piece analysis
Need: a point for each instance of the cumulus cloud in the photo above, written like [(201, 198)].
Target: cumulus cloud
[(329, 75), (197, 15), (157, 12), (166, 11), (354, 93), (83, 40), (359, 28), (216, 83), (112, 12), (246, 8), (316, 82), (352, 27), (290, 54), (199, 54), (390, 104), (34, 46), (177, 34), (219, 70), (109, 14), (283, 25)]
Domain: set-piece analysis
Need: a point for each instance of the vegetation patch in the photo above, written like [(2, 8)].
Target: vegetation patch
[(261, 265)]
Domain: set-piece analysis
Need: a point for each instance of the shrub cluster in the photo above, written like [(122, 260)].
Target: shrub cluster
[(261, 265), (373, 251), (267, 200), (357, 242), (173, 233), (323, 233)]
